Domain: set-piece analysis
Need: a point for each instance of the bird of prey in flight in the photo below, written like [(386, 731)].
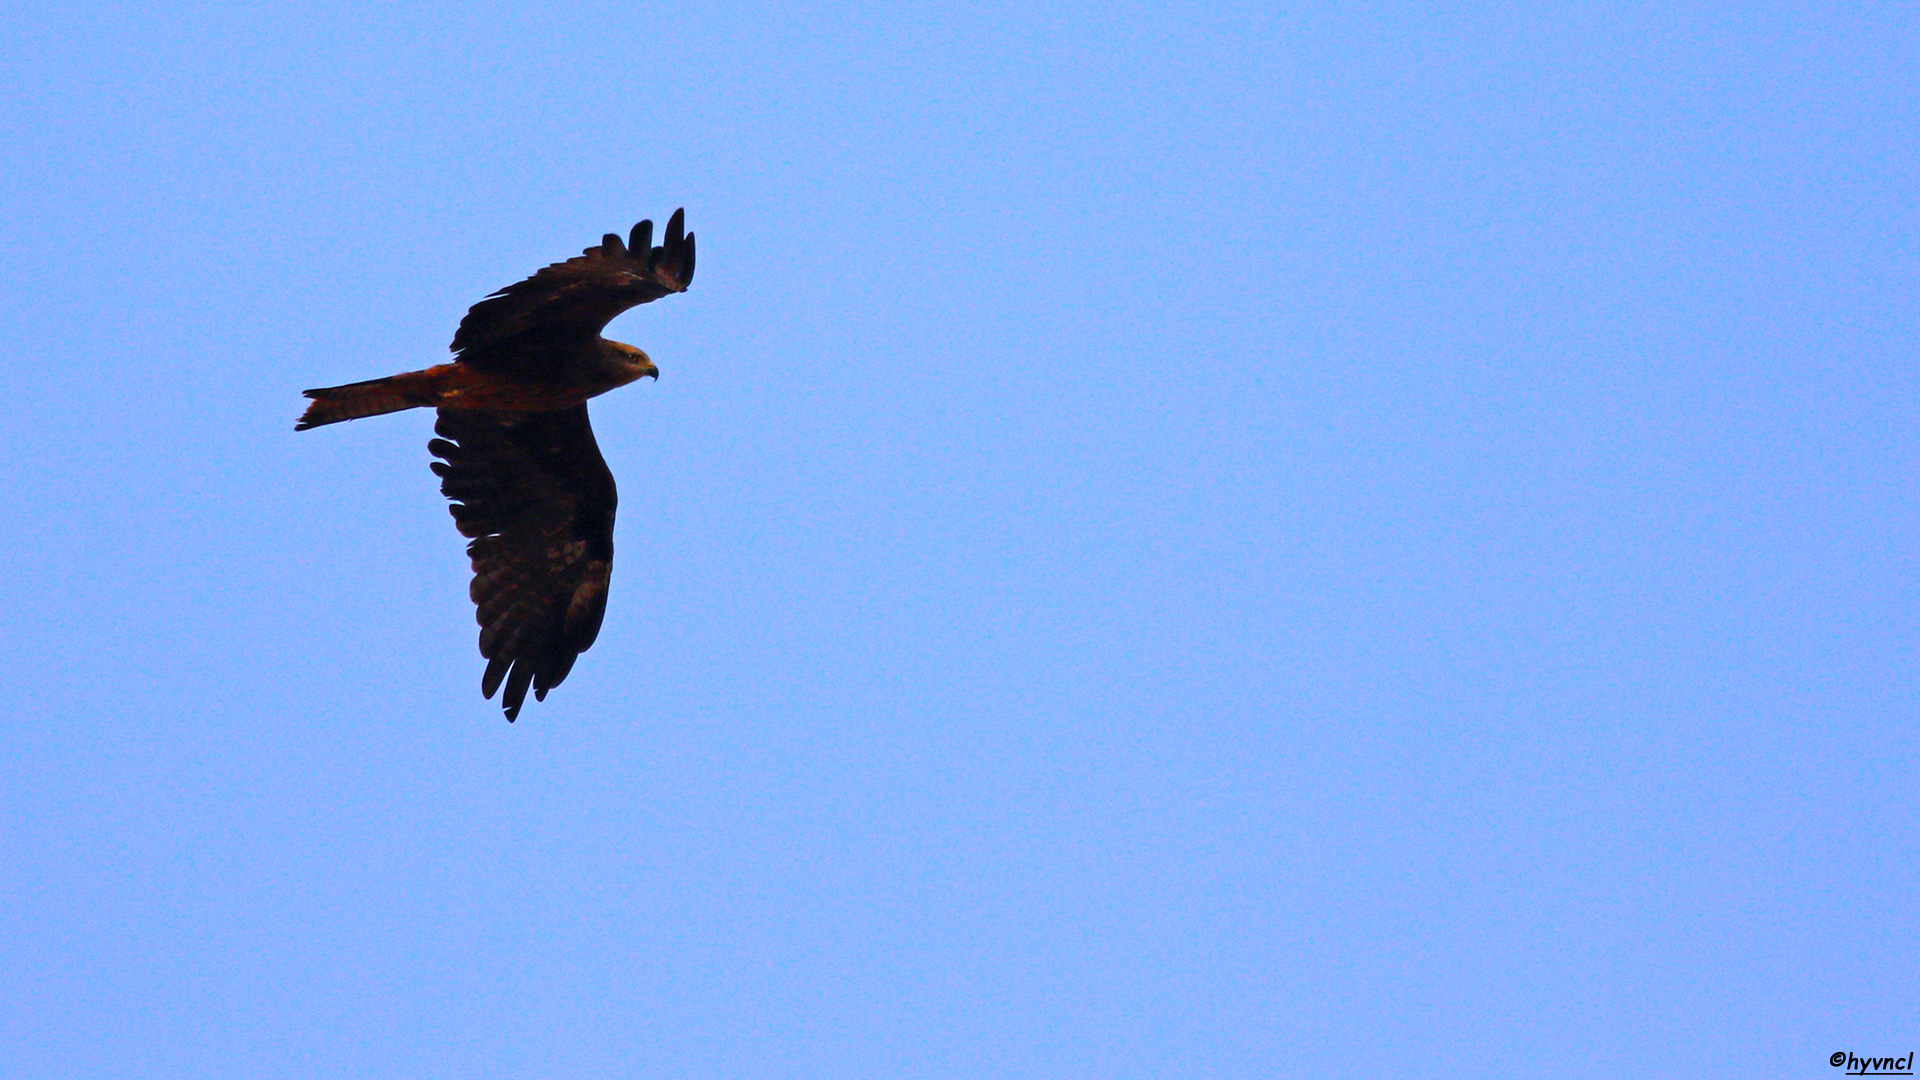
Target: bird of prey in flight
[(528, 484)]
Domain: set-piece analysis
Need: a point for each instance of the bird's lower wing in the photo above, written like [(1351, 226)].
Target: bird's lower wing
[(532, 492)]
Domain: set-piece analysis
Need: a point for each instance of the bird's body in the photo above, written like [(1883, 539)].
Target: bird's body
[(570, 373), (518, 456)]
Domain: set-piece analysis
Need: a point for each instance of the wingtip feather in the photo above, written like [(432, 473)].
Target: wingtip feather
[(496, 670), (515, 694)]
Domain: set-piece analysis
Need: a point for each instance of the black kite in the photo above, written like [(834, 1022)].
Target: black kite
[(528, 484)]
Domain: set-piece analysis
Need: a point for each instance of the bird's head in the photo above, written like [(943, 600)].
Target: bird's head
[(634, 362)]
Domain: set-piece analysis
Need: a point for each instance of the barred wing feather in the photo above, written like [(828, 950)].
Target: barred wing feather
[(534, 496)]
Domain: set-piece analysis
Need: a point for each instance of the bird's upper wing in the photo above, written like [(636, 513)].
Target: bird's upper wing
[(583, 294), (535, 496)]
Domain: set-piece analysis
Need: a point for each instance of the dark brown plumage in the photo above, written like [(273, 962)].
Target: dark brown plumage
[(518, 459)]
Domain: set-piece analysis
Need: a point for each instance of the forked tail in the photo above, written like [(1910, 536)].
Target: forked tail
[(408, 390)]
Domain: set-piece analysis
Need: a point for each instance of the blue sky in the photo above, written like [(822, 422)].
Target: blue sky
[(1170, 541)]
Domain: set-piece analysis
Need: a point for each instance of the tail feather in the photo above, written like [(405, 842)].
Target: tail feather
[(332, 404)]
